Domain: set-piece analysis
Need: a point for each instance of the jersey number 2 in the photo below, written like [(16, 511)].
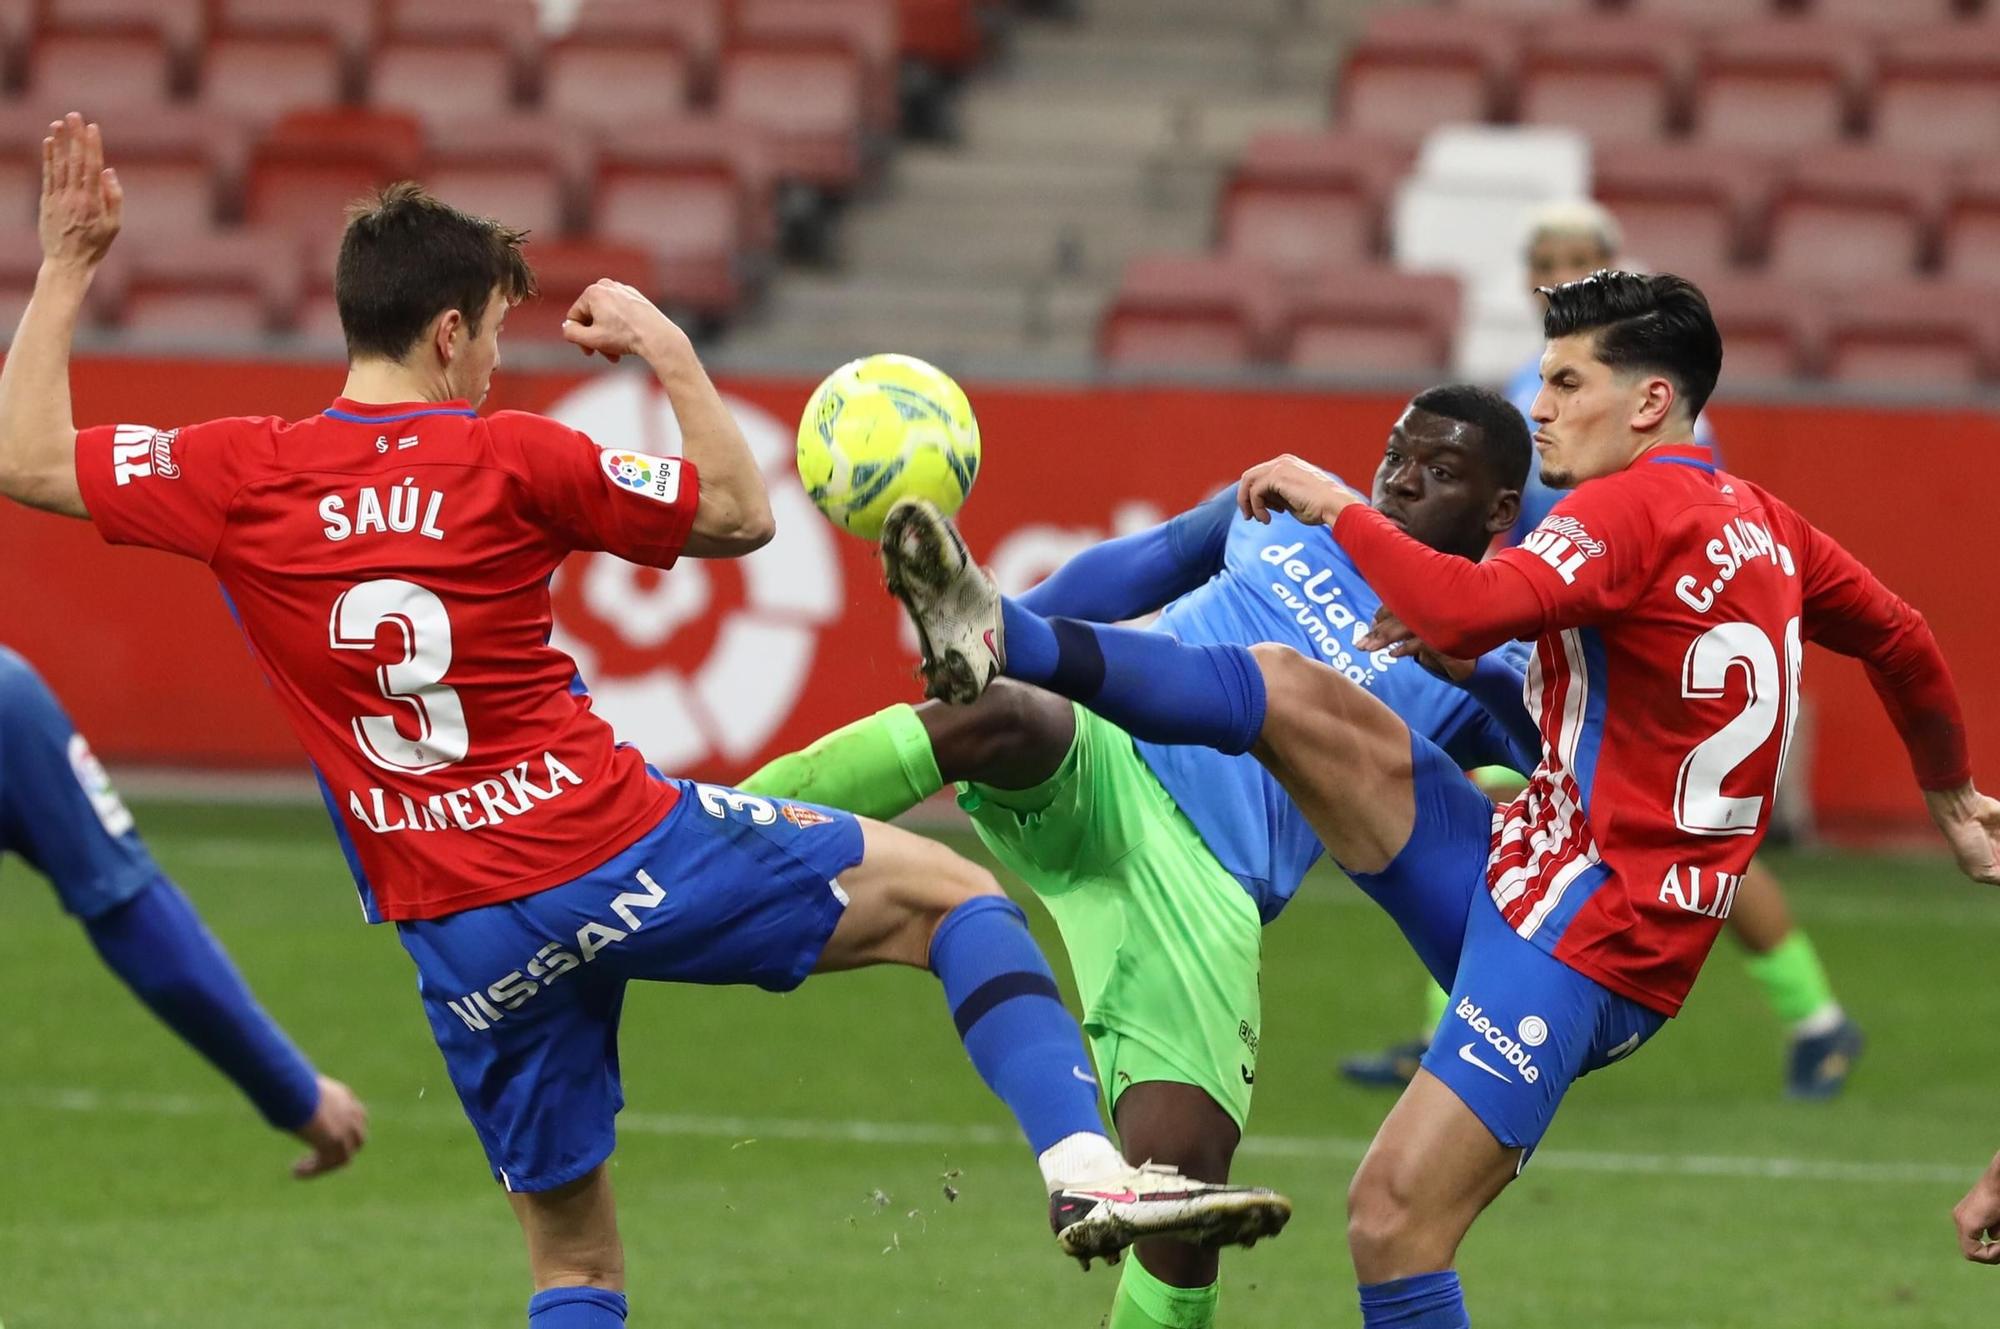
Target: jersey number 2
[(1700, 806), (414, 682)]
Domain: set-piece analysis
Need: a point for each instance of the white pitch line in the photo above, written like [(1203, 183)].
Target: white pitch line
[(851, 1131)]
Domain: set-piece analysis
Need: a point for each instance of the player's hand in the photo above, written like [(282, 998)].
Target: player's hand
[(1287, 484), (1971, 825), (1978, 1218), (336, 1132), (82, 201), (1393, 635), (612, 319)]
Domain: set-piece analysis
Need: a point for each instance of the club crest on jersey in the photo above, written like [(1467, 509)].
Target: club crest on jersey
[(803, 817), (657, 478)]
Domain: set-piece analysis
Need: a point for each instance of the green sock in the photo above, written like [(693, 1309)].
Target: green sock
[(1435, 1000), (1795, 983), (876, 767), (1144, 1302)]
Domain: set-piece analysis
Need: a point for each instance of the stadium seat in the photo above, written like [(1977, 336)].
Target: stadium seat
[(1777, 86), (260, 78), (179, 23), (442, 77), (1616, 79), (1844, 214), (181, 169), (102, 72), (240, 282), (1939, 91), (312, 164), (349, 24), (654, 80), (695, 28), (528, 171), (865, 28), (697, 196), (1770, 329), (1412, 70), (1301, 201), (943, 34), (1969, 242), (1914, 335), (1896, 13), (1683, 208), (1189, 310), (1528, 9), (808, 100), (1702, 12), (1372, 319), (562, 269), (18, 21)]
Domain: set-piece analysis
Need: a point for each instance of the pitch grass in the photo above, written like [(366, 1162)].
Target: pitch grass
[(137, 1191)]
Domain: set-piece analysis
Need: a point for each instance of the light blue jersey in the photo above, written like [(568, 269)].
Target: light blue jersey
[(1290, 583)]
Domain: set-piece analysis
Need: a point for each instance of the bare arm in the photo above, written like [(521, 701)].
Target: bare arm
[(613, 320), (81, 208)]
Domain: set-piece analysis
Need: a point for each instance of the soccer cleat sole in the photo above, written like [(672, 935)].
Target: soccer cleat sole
[(921, 555), (1241, 1219)]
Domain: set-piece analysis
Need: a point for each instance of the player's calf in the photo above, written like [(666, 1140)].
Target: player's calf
[(574, 1253)]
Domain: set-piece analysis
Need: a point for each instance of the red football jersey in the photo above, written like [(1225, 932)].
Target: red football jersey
[(1669, 604), (389, 566)]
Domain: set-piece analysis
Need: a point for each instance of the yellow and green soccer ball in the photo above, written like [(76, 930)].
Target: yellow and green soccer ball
[(883, 428)]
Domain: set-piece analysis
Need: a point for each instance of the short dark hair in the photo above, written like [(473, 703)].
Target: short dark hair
[(1503, 434), (407, 257), (1656, 322)]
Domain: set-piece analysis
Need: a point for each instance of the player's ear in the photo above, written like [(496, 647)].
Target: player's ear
[(1505, 511), (444, 335), (1655, 405)]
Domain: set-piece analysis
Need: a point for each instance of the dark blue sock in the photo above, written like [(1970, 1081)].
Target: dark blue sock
[(1148, 684), (1424, 1301), (576, 1308), (1020, 1036)]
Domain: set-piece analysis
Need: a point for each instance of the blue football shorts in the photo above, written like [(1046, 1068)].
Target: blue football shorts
[(57, 808), (524, 996), (1521, 1025)]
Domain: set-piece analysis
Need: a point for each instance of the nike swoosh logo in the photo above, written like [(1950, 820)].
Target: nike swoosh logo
[(1078, 1072), (1116, 1197), (1465, 1054), (987, 637), (1622, 1048)]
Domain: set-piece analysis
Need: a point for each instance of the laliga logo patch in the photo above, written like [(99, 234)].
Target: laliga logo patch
[(657, 478)]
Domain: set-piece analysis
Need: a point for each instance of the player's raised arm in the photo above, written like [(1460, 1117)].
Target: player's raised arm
[(1138, 574), (734, 515), (82, 204)]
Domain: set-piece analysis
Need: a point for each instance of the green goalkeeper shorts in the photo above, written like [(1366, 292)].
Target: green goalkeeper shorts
[(1164, 943)]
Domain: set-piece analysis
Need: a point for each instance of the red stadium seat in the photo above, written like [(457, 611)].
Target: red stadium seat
[(528, 171), (514, 23), (696, 195), (314, 163), (865, 28), (1301, 201), (1777, 87), (1844, 215), (1970, 241), (693, 27), (562, 269), (179, 23), (180, 169), (1770, 330), (349, 24), (219, 283), (1683, 209), (1915, 335), (653, 81), (18, 19), (1412, 70), (1615, 79), (443, 77), (943, 34), (1704, 12), (1899, 14), (1372, 319), (1189, 310), (1939, 91), (261, 78), (1528, 9), (97, 72), (809, 102)]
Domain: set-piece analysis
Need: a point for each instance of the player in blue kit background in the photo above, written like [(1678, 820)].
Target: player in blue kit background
[(1160, 864), (60, 814)]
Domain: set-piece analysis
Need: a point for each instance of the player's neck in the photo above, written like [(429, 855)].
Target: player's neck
[(388, 382)]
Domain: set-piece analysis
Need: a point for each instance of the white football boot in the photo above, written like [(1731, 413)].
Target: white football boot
[(1101, 1217), (950, 599)]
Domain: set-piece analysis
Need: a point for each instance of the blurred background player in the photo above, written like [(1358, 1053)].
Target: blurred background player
[(1161, 864), (59, 812), (1567, 242)]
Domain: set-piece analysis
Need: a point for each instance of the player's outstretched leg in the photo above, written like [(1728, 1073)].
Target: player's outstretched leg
[(911, 901), (574, 1254), (1825, 1043)]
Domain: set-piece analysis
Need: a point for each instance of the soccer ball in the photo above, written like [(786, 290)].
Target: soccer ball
[(883, 428)]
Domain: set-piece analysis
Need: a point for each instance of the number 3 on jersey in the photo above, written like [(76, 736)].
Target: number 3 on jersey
[(1700, 806), (414, 682)]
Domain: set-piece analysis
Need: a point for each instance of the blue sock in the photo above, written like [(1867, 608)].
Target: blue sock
[(1153, 687), (1424, 1301), (576, 1308), (1020, 1036)]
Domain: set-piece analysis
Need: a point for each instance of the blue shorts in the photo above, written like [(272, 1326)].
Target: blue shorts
[(524, 996), (1521, 1025), (57, 808)]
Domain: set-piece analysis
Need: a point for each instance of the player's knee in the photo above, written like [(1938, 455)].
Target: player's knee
[(1381, 1218), (1201, 1154)]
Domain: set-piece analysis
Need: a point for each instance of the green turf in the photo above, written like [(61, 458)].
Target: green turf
[(766, 1179)]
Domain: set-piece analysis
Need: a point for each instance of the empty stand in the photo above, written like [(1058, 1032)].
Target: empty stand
[(942, 34), (1912, 335), (1619, 79), (865, 29), (1770, 329), (1301, 201), (1969, 243), (1777, 86), (1939, 91), (1412, 70), (563, 268), (312, 164), (528, 171), (1372, 319), (652, 79), (1189, 310), (349, 24), (1684, 209), (211, 284), (258, 78), (1844, 215), (442, 76), (104, 71), (178, 23), (695, 28), (807, 99)]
